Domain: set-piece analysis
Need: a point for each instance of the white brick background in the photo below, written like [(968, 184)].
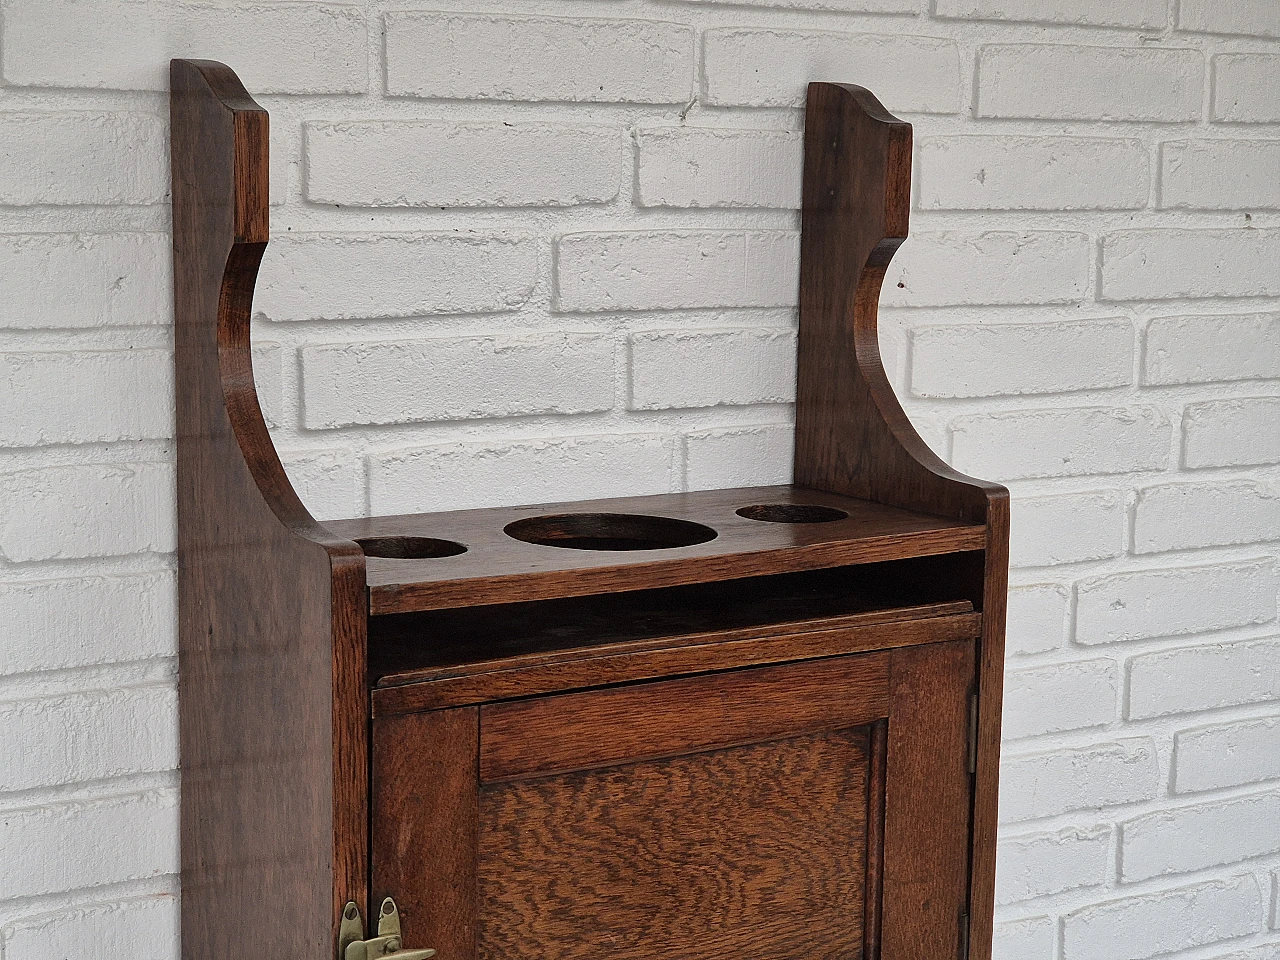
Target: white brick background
[(550, 250)]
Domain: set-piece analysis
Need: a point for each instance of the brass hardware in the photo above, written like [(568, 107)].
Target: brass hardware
[(353, 946)]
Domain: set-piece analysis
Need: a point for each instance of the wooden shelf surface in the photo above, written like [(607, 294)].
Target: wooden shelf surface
[(497, 568)]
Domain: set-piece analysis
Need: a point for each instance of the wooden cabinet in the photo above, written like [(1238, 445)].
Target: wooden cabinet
[(801, 811), (747, 722)]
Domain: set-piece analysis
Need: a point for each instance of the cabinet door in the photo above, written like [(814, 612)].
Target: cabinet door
[(798, 812)]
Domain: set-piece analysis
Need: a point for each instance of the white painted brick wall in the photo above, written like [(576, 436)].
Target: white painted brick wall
[(1164, 922), (550, 253)]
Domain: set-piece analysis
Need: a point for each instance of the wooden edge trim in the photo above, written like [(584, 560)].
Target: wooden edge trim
[(689, 661), (583, 731), (761, 632), (677, 572)]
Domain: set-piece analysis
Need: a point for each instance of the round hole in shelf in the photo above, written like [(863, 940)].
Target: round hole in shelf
[(410, 548), (792, 513), (609, 531)]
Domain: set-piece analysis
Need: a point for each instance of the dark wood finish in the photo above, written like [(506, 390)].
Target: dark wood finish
[(500, 569), (852, 436), (271, 605), (804, 810), (293, 636), (426, 807), (592, 668), (746, 852), (599, 728), (877, 757), (926, 876)]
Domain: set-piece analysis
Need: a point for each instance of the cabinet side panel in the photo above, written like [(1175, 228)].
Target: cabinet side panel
[(271, 633)]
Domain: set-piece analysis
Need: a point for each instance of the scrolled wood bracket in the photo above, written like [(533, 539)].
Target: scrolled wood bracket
[(852, 436)]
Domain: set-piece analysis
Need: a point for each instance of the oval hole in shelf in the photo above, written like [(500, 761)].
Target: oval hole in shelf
[(410, 548), (792, 513), (609, 531)]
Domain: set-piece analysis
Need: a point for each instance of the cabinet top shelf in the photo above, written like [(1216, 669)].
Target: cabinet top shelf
[(434, 561)]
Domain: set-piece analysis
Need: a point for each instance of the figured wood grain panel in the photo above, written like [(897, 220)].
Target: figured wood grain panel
[(425, 805), (597, 728), (595, 668), (754, 851), (927, 802)]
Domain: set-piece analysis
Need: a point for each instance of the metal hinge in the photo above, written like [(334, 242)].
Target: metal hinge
[(964, 936), (353, 946), (973, 733)]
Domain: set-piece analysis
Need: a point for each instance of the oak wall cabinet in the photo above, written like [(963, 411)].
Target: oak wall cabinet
[(758, 722)]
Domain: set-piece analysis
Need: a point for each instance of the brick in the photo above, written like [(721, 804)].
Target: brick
[(86, 397), (1082, 778), (761, 67), (543, 58), (519, 471), (455, 378), (739, 457), (1185, 839), (1148, 14), (1220, 174), (80, 158), (268, 381), (1203, 677), (1174, 602), (330, 483), (89, 510), (947, 269), (1207, 348), (88, 736), (351, 276), (1033, 173), (1228, 433), (1033, 939), (1266, 952), (1166, 264), (430, 163), (1246, 88), (1001, 359), (1090, 83), (1067, 528), (127, 44), (73, 281), (718, 167), (1167, 921), (841, 6), (67, 846), (1061, 443), (642, 270), (1042, 864), (82, 621), (1037, 618), (1250, 18), (114, 929), (1182, 516), (1059, 697), (674, 369), (1226, 755)]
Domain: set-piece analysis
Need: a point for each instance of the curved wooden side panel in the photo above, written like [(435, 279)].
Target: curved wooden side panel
[(852, 436), (272, 611)]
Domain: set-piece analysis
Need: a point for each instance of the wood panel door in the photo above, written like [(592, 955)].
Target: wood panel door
[(809, 811)]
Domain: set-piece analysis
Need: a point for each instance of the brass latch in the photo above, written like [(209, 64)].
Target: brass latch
[(353, 946)]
